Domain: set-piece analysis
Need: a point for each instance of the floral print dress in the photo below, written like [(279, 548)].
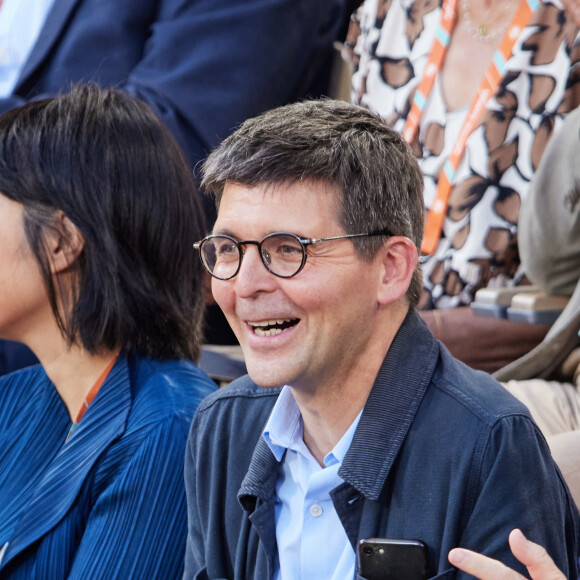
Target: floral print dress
[(390, 41)]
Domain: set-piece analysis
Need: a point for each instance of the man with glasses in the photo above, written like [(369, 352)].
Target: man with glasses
[(354, 421)]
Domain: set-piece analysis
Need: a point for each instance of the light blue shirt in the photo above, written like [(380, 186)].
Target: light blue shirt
[(20, 24), (311, 540)]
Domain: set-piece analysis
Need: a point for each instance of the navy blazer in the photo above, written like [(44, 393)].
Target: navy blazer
[(442, 454), (203, 65), (110, 502)]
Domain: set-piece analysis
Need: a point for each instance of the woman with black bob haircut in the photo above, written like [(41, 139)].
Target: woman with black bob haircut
[(98, 213)]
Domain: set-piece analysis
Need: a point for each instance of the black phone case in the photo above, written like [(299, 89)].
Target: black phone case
[(385, 559)]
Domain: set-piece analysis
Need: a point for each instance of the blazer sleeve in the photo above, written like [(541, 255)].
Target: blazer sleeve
[(207, 65), (519, 485), (137, 526), (211, 64)]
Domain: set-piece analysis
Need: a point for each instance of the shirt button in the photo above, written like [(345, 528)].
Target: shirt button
[(315, 510)]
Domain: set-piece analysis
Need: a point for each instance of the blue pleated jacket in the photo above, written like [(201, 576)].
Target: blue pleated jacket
[(109, 503)]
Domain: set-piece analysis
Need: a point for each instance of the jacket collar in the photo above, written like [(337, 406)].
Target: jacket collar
[(387, 417), (391, 407), (104, 421), (260, 479), (53, 27)]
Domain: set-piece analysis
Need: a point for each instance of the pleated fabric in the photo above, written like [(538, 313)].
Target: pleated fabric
[(109, 503)]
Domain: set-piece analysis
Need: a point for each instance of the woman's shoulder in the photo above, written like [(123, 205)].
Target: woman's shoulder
[(155, 402), (29, 393), (170, 388), (24, 383)]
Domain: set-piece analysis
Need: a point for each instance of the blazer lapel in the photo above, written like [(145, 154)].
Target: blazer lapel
[(51, 31), (103, 422)]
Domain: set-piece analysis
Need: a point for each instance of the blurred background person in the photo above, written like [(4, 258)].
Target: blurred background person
[(97, 276), (477, 87), (547, 379)]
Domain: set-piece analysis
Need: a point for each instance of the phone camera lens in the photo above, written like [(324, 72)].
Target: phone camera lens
[(367, 550)]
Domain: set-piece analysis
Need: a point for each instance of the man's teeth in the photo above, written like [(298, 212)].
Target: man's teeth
[(270, 327), (269, 332)]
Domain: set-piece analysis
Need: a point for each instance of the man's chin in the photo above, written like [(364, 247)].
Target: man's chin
[(265, 377)]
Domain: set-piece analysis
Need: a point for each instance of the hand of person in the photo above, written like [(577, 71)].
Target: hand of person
[(539, 564), (573, 8)]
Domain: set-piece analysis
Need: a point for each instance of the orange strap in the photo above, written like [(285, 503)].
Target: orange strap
[(487, 88), (91, 396), (94, 390), (432, 67)]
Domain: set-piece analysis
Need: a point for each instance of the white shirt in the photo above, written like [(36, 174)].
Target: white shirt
[(21, 22), (311, 540)]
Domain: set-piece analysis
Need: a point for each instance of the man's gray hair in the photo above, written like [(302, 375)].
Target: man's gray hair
[(346, 146)]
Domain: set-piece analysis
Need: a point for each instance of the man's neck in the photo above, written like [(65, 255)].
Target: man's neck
[(330, 409), (323, 430)]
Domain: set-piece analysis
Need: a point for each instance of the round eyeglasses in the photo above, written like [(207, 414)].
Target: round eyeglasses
[(283, 254)]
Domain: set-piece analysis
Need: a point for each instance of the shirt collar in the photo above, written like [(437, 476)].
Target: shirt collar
[(284, 426), (340, 449), (284, 430)]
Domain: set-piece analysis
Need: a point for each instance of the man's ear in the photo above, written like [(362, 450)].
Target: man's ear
[(64, 243), (398, 262)]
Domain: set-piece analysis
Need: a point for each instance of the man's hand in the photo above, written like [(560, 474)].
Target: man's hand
[(540, 566)]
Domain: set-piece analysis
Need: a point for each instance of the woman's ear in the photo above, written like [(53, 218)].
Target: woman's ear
[(398, 260), (64, 243)]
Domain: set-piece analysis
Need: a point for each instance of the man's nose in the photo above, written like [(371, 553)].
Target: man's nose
[(253, 276)]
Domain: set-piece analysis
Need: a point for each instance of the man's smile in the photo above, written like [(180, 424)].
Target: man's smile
[(272, 327)]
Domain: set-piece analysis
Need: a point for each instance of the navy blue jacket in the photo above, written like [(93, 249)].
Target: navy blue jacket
[(109, 503), (442, 454), (203, 65)]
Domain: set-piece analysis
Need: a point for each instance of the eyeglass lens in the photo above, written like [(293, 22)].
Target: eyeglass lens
[(282, 254)]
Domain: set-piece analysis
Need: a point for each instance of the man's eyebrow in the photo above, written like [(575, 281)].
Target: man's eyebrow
[(223, 232)]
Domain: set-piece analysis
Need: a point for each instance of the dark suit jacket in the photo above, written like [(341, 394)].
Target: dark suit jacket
[(203, 65), (110, 502)]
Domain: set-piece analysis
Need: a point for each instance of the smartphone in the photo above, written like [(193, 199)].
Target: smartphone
[(384, 559)]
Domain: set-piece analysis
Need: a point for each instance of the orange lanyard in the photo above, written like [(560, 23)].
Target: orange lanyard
[(91, 396), (487, 88)]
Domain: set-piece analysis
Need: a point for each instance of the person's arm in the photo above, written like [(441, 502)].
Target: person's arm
[(211, 64), (539, 564), (208, 65), (483, 343), (518, 485)]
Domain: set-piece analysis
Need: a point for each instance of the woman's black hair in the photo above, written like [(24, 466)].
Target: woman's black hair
[(103, 159)]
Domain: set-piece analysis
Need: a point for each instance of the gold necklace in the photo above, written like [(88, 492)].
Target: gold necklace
[(485, 32)]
